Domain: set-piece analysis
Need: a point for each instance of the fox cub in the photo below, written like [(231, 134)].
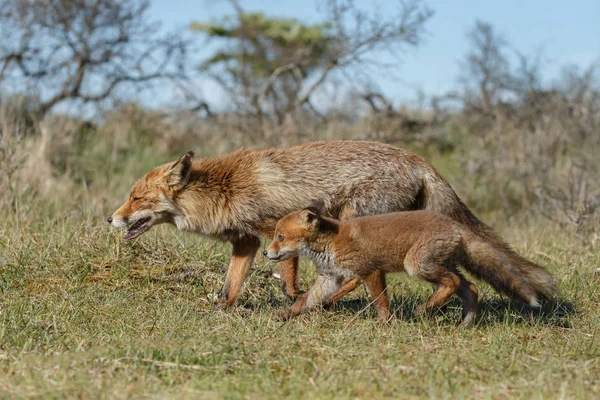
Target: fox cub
[(423, 243)]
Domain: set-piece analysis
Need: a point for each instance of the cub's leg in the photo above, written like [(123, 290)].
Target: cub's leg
[(347, 211), (345, 288), (288, 272), (376, 286), (447, 284), (469, 294), (429, 260), (319, 293)]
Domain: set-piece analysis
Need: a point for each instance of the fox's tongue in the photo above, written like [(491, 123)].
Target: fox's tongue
[(136, 229), (129, 234)]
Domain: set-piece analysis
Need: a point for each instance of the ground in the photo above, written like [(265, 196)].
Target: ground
[(84, 314)]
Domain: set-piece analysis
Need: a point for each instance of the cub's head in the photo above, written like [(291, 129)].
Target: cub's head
[(150, 200), (293, 230)]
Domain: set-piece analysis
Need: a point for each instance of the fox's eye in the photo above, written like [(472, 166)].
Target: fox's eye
[(280, 238), (135, 199)]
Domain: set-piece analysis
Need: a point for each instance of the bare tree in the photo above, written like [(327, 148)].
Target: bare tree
[(486, 69), (83, 50), (364, 36), (490, 85), (543, 135), (272, 67)]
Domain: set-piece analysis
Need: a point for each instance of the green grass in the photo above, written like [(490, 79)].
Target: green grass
[(83, 314)]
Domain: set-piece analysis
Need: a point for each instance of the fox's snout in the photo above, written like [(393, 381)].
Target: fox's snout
[(117, 221), (274, 254), (279, 253), (271, 255)]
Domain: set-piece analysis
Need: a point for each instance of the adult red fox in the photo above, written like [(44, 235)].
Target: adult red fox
[(240, 196), (423, 243)]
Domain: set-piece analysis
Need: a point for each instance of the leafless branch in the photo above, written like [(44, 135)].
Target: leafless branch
[(293, 75), (84, 50)]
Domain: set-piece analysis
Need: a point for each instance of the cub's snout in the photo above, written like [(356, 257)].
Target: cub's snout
[(272, 255)]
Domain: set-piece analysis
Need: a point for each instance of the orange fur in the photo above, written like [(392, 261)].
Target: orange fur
[(423, 243), (240, 196)]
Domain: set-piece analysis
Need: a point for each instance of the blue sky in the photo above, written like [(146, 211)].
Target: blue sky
[(568, 32)]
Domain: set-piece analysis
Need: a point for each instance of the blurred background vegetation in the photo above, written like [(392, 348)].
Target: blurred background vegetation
[(513, 144)]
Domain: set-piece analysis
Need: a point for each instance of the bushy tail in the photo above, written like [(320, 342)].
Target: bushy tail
[(492, 259), (496, 263)]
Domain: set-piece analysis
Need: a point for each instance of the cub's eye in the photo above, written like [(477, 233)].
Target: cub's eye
[(135, 199), (280, 238)]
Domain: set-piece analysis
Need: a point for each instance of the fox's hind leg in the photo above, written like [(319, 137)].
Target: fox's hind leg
[(447, 283), (469, 294), (429, 259), (376, 286)]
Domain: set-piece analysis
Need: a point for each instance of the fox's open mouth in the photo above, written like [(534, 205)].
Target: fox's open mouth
[(140, 226)]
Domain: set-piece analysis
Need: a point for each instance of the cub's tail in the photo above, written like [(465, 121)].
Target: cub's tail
[(492, 259), (495, 262)]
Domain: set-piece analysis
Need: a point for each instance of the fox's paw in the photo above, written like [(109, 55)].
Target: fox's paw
[(221, 302), (424, 311), (468, 320), (291, 291), (294, 293), (285, 315)]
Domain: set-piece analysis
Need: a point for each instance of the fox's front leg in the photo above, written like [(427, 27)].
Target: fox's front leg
[(347, 287), (288, 272), (319, 293), (346, 212), (242, 256)]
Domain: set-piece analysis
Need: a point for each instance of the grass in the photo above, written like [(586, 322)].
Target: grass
[(83, 314)]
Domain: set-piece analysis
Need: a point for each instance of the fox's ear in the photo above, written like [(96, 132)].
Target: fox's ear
[(179, 173), (316, 207), (310, 217)]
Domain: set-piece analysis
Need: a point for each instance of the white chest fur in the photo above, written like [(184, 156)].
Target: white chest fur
[(325, 263)]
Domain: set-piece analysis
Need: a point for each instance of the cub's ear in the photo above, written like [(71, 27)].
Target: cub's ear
[(179, 174), (316, 207), (310, 217)]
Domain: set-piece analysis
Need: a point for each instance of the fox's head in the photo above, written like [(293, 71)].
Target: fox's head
[(293, 230), (149, 201)]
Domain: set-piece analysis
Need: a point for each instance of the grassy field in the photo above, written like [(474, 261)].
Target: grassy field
[(83, 314)]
